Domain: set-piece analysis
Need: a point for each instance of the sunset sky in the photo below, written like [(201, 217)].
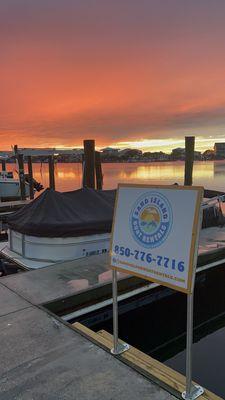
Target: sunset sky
[(141, 73)]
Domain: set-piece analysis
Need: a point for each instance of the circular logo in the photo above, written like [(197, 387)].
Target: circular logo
[(151, 219)]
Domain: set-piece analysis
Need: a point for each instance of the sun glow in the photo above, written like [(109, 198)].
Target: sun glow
[(115, 72), (166, 145)]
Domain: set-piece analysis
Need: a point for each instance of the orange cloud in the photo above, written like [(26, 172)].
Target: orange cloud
[(116, 71)]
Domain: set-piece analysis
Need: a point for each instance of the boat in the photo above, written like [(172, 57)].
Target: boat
[(58, 227), (63, 226), (10, 187)]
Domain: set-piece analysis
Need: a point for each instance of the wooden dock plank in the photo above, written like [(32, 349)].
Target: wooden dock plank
[(90, 334), (146, 365), (177, 379), (156, 369)]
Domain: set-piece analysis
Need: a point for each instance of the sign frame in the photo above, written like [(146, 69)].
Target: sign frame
[(195, 234), (192, 391)]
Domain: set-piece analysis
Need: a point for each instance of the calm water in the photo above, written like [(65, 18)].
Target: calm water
[(210, 174)]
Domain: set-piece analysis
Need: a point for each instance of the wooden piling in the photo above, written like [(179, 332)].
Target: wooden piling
[(51, 166), (83, 168), (98, 170), (189, 159), (89, 164), (30, 177), (3, 164), (21, 176)]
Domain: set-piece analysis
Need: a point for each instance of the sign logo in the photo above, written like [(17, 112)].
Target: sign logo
[(151, 219)]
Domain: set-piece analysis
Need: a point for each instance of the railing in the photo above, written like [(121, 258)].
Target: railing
[(213, 202)]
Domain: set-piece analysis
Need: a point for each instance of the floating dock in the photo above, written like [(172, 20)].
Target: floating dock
[(44, 357)]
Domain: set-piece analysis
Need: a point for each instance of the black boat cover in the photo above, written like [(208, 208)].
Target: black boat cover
[(77, 213)]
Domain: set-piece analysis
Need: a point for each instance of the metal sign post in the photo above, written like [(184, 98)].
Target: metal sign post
[(192, 391), (118, 348)]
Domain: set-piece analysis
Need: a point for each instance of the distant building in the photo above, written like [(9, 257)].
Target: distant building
[(48, 151), (160, 156), (130, 153), (156, 156), (6, 154), (110, 151), (219, 150), (197, 155), (179, 154)]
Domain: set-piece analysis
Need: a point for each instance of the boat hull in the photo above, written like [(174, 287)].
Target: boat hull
[(10, 190), (58, 249)]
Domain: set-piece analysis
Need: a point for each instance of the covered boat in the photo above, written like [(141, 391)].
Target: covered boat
[(63, 226), (66, 226)]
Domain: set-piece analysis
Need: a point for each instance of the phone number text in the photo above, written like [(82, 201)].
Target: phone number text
[(160, 261)]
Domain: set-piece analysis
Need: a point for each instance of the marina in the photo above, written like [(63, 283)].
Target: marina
[(50, 229), (112, 200), (55, 258)]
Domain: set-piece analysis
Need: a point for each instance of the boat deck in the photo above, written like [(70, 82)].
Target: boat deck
[(25, 263)]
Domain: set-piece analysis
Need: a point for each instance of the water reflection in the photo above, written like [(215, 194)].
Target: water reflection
[(163, 173), (219, 168), (210, 174), (78, 284), (153, 172), (107, 276)]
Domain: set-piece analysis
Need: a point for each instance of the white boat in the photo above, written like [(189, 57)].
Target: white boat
[(58, 227), (10, 187), (51, 250)]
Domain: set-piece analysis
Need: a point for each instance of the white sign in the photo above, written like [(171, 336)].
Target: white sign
[(155, 233)]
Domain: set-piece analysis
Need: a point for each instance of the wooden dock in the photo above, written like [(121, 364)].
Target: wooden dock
[(152, 369)]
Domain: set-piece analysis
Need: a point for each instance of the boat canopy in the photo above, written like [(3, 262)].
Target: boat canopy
[(69, 214)]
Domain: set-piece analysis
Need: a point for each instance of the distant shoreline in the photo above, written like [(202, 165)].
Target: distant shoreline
[(115, 161)]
